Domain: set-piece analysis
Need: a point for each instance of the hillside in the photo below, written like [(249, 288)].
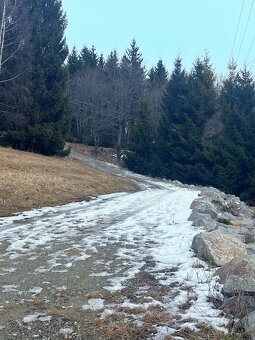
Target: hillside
[(31, 181)]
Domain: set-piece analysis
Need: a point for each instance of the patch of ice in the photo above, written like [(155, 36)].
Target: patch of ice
[(107, 312), (66, 330), (101, 274), (35, 290), (36, 317), (9, 270), (94, 304), (9, 288)]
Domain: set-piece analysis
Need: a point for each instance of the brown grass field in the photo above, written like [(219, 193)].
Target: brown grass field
[(29, 180)]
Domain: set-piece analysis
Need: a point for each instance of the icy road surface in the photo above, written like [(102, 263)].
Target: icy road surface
[(123, 254)]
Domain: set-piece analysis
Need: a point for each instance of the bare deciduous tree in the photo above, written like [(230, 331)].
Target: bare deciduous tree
[(10, 42)]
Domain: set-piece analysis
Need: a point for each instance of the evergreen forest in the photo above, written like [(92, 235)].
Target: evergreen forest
[(188, 125)]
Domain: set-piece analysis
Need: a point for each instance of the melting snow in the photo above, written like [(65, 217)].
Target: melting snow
[(35, 290), (94, 304), (66, 330), (36, 317)]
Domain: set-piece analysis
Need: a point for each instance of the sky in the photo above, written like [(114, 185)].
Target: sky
[(165, 29)]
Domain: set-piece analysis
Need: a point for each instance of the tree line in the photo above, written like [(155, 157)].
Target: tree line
[(206, 131), (187, 125)]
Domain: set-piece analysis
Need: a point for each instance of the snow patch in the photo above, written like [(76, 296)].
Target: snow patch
[(94, 304)]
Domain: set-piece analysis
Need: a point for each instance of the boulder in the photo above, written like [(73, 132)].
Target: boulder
[(227, 216), (248, 322), (217, 248), (238, 305), (196, 202), (206, 208), (236, 285), (202, 220), (243, 234), (214, 194), (242, 266)]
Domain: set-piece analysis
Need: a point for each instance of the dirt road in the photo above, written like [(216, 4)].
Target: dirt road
[(116, 267)]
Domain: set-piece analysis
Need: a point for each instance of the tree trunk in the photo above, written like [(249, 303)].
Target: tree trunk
[(119, 142)]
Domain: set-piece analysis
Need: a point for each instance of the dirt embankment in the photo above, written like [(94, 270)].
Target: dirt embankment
[(30, 180)]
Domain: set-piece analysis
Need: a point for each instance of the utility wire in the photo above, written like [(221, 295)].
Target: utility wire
[(237, 29), (252, 65), (248, 54), (247, 23)]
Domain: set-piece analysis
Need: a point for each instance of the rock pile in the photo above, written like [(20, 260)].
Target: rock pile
[(228, 242)]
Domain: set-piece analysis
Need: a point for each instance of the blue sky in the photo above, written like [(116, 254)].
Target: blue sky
[(164, 28)]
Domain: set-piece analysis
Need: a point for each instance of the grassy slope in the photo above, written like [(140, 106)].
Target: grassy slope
[(30, 180)]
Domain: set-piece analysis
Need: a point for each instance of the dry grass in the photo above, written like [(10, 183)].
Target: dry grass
[(132, 310), (31, 181), (205, 332), (7, 309), (156, 316), (56, 314), (115, 327), (97, 295), (39, 303), (118, 330)]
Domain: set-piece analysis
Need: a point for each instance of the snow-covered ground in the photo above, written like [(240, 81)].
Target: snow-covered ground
[(146, 232)]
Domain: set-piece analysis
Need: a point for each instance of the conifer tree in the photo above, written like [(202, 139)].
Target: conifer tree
[(172, 143), (50, 119), (202, 106), (134, 73), (73, 62), (236, 170), (156, 85), (141, 156), (160, 77), (88, 58)]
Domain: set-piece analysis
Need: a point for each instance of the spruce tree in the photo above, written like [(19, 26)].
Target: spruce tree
[(160, 76), (172, 142), (134, 74), (141, 157), (237, 101), (73, 62), (155, 89), (49, 124), (88, 58), (202, 99)]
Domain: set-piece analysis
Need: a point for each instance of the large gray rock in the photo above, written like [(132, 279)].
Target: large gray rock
[(239, 305), (202, 220), (206, 208), (217, 248), (242, 266), (238, 277), (236, 285), (197, 201), (248, 323), (243, 234), (227, 216), (214, 194)]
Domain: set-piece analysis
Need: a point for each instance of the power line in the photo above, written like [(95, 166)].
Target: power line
[(247, 23), (252, 65), (248, 54), (237, 29)]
